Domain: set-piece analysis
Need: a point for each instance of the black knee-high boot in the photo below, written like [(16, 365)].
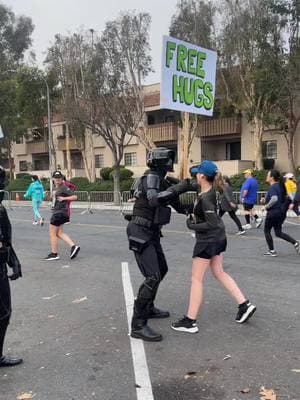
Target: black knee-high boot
[(140, 329), (3, 327)]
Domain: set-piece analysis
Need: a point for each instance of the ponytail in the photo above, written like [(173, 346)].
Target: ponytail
[(218, 182)]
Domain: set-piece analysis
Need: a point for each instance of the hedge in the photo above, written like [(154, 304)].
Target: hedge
[(260, 175)]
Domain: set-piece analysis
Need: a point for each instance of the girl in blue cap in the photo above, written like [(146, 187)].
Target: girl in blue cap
[(208, 251)]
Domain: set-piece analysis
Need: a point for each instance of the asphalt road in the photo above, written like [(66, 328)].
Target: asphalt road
[(70, 323)]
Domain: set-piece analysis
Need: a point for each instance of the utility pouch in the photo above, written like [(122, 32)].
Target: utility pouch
[(162, 215), (137, 244)]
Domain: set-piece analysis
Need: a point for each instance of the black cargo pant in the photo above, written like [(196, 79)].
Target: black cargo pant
[(149, 255), (5, 305)]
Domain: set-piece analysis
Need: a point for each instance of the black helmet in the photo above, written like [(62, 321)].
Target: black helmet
[(161, 158), (2, 182)]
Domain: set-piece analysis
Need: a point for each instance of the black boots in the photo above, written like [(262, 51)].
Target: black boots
[(9, 362), (154, 312), (140, 330)]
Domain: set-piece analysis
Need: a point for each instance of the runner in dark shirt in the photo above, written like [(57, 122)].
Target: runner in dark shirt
[(275, 200), (62, 196), (210, 244)]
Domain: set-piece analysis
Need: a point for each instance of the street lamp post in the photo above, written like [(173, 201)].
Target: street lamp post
[(49, 133)]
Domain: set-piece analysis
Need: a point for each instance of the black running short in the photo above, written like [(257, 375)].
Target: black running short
[(248, 207), (59, 219), (208, 250)]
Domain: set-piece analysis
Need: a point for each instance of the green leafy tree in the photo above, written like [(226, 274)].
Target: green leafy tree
[(287, 112), (250, 47), (15, 39)]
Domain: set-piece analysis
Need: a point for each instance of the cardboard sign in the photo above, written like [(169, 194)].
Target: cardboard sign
[(188, 77)]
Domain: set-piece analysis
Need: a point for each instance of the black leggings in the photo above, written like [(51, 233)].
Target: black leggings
[(233, 216), (276, 223)]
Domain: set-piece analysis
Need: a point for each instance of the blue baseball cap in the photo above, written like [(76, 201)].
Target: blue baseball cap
[(207, 168)]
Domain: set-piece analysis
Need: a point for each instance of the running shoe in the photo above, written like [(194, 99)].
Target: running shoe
[(35, 223), (246, 310), (74, 251), (246, 227), (259, 222), (242, 232), (185, 324), (271, 253), (51, 257), (297, 247)]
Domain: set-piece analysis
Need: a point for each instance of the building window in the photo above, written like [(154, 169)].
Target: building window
[(233, 151), (41, 162), (99, 160), (23, 166), (269, 149), (20, 140), (130, 159)]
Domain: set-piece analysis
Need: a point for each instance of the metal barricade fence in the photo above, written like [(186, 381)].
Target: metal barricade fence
[(82, 196), (6, 199), (126, 206), (260, 195), (188, 197), (17, 198), (105, 199)]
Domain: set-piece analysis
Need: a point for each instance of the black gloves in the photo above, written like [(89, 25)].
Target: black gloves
[(190, 223), (14, 263)]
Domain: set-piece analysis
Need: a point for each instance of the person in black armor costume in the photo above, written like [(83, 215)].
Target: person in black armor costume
[(153, 194), (7, 257)]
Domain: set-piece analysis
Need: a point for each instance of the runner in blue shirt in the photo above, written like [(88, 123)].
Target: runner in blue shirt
[(248, 198)]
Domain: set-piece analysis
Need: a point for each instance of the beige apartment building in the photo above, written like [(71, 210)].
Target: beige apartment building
[(227, 141)]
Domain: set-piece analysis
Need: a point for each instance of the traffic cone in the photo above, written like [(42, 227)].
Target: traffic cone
[(17, 197)]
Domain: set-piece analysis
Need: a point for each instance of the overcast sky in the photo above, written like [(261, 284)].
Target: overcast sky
[(66, 16)]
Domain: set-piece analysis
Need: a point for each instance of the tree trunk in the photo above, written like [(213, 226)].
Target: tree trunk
[(291, 151), (52, 162), (91, 156), (10, 162), (183, 146), (117, 186), (68, 154), (85, 163), (258, 133)]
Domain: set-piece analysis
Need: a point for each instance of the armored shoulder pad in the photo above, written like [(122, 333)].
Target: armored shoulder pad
[(153, 181)]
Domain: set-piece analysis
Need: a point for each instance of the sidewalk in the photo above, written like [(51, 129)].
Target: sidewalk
[(125, 206)]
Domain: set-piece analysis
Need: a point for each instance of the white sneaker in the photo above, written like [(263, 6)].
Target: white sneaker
[(297, 247), (271, 253), (258, 222), (240, 232), (35, 223), (247, 226)]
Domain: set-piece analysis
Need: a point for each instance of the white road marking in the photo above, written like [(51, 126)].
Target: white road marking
[(142, 378), (292, 223)]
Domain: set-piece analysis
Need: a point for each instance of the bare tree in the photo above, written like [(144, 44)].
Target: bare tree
[(68, 59), (193, 22)]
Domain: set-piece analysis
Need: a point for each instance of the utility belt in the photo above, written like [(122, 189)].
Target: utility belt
[(162, 216), (143, 222)]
